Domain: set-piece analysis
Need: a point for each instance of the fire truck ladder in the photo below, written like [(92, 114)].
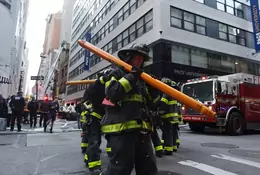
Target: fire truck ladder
[(52, 70)]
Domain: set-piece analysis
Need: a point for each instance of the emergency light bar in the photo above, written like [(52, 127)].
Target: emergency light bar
[(203, 78)]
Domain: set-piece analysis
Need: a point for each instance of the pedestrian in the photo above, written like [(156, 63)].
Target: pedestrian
[(9, 115), (127, 95), (33, 107), (168, 111), (17, 104), (94, 95)]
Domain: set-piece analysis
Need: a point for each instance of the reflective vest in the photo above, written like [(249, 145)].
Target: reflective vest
[(126, 113), (179, 112), (169, 109)]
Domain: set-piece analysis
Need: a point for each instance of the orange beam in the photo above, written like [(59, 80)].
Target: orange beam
[(184, 99), (80, 82)]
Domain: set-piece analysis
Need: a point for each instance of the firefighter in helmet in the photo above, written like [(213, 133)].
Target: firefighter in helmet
[(128, 130), (95, 111), (169, 113), (179, 116)]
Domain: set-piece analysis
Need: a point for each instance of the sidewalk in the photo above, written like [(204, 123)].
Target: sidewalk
[(60, 125)]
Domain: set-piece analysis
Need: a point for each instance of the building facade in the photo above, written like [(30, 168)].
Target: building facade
[(13, 20), (187, 38)]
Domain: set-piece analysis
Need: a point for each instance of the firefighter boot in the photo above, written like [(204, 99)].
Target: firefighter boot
[(159, 153)]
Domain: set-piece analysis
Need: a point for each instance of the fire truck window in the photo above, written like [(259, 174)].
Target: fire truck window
[(219, 88)]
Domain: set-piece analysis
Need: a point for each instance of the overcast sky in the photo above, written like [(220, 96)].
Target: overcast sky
[(35, 32)]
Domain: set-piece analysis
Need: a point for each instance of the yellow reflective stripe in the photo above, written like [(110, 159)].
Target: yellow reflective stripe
[(84, 145), (96, 115), (168, 148), (135, 97), (86, 157), (108, 82), (101, 80), (126, 84), (83, 113), (94, 164), (178, 141), (174, 122), (172, 102), (170, 115), (162, 141), (159, 148), (174, 147), (164, 100), (156, 99), (108, 149), (125, 126)]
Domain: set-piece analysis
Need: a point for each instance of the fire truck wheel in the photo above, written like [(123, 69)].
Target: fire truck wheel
[(196, 127), (236, 125)]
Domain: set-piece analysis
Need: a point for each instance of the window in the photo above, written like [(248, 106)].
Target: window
[(200, 25), (119, 41), (120, 16), (199, 58), (180, 55), (148, 19), (176, 17), (125, 37), (189, 21), (126, 10), (132, 33), (140, 27), (222, 31), (132, 6)]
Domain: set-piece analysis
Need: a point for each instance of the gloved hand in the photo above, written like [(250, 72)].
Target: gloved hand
[(136, 72)]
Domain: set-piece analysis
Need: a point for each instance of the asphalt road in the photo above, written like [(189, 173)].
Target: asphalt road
[(200, 154)]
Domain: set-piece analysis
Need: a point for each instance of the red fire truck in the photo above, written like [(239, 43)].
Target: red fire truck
[(235, 98)]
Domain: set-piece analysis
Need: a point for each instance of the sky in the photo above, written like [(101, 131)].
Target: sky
[(35, 32)]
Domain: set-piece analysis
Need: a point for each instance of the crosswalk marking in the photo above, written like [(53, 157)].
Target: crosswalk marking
[(237, 160), (206, 168)]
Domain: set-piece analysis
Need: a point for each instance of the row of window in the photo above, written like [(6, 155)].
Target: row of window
[(201, 25), (74, 89), (117, 19), (127, 10), (198, 58), (233, 7), (103, 12), (136, 30)]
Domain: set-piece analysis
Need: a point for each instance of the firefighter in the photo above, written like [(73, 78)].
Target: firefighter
[(169, 113), (126, 98), (17, 104), (45, 112), (95, 111), (54, 109), (33, 107)]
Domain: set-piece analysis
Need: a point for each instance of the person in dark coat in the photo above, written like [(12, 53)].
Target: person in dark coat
[(33, 107)]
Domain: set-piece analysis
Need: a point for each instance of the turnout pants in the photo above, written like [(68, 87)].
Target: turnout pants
[(84, 141), (94, 141), (131, 149), (41, 119), (169, 137), (157, 143), (33, 119), (16, 115), (108, 147)]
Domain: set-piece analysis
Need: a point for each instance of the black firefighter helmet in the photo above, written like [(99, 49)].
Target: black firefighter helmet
[(169, 82), (104, 72), (135, 49)]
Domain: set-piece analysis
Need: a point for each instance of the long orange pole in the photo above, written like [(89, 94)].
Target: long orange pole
[(184, 99), (80, 82)]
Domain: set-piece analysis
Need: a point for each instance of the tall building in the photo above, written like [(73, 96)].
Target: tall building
[(25, 67), (187, 38), (13, 21), (50, 50), (60, 76)]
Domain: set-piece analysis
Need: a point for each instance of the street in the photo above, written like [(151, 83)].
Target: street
[(60, 154)]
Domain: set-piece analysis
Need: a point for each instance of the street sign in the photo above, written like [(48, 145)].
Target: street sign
[(37, 77), (87, 54)]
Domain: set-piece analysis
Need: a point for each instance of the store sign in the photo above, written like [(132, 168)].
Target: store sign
[(5, 80), (87, 54), (256, 23), (188, 73)]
